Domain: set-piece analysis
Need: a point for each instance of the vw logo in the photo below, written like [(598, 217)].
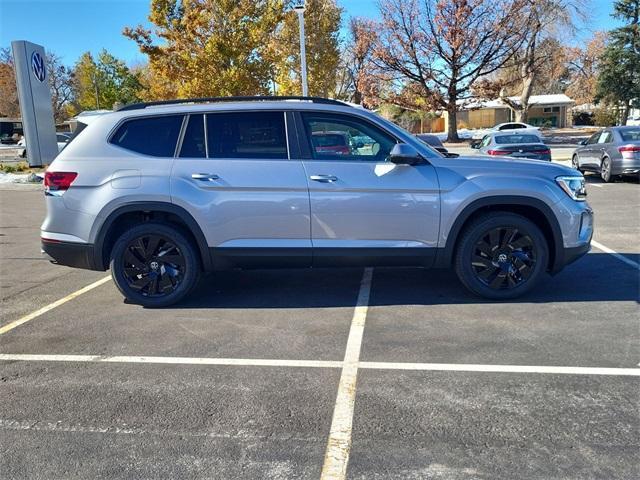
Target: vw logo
[(502, 258), (154, 265), (38, 66)]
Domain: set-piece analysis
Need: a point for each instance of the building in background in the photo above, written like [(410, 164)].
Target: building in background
[(545, 111)]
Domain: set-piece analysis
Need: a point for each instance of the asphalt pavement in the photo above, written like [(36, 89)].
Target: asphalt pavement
[(244, 378)]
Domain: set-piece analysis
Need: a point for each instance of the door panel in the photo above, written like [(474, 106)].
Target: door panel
[(360, 201), (248, 208)]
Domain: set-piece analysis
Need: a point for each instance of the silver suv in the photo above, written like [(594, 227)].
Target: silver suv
[(163, 192)]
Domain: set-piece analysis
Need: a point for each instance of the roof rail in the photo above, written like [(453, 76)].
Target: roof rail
[(142, 105)]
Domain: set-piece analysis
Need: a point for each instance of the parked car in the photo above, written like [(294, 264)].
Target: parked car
[(10, 131), (610, 152), (518, 145), (339, 143), (436, 143), (161, 192), (61, 138), (520, 127)]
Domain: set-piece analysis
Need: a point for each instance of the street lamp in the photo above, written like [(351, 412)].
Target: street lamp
[(303, 54)]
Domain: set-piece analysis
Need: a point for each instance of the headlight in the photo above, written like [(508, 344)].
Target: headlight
[(574, 187)]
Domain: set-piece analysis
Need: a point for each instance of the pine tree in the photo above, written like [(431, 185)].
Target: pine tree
[(619, 79)]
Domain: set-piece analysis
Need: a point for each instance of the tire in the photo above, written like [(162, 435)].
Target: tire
[(154, 265), (501, 256), (574, 164), (605, 170)]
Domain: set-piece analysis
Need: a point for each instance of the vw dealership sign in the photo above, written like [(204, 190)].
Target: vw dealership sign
[(35, 102), (38, 66)]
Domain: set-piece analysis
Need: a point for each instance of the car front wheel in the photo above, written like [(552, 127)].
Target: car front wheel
[(154, 265), (501, 256)]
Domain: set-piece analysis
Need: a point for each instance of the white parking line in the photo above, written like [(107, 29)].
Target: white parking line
[(608, 250), (469, 367), (51, 306), (252, 362), (258, 362), (339, 445)]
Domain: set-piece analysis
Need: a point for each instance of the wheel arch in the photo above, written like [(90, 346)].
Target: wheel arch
[(534, 209), (133, 213)]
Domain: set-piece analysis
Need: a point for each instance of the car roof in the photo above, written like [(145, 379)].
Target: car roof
[(235, 106)]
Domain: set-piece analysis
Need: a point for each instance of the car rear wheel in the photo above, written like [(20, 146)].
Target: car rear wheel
[(154, 265), (501, 256), (605, 169)]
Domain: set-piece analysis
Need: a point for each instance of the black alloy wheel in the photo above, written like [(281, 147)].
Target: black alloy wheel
[(504, 258), (501, 255), (153, 265)]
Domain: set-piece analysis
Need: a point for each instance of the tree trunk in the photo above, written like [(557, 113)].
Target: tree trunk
[(625, 113), (357, 97), (452, 123)]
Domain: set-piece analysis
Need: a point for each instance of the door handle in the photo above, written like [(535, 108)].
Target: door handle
[(324, 178), (205, 176)]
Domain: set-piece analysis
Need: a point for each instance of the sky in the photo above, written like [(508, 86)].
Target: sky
[(72, 27)]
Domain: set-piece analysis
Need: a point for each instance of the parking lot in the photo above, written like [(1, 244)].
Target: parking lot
[(254, 376)]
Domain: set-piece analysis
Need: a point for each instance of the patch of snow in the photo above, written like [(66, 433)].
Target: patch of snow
[(19, 178)]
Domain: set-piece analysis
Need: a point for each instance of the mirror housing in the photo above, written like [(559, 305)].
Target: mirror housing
[(475, 144), (405, 154), (582, 142)]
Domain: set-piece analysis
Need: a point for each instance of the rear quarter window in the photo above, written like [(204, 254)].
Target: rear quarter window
[(154, 136)]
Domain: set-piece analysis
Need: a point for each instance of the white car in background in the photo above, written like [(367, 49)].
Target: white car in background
[(61, 138), (514, 127)]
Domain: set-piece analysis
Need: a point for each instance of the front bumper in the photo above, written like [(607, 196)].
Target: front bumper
[(70, 254)]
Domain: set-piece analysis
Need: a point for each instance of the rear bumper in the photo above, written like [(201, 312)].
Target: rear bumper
[(625, 166), (70, 254)]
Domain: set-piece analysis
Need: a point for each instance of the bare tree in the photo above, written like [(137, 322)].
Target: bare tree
[(443, 46), (360, 54), (61, 83), (541, 20)]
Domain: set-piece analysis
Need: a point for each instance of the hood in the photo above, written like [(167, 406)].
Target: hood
[(481, 165)]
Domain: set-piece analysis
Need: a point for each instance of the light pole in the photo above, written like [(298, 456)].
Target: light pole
[(303, 54)]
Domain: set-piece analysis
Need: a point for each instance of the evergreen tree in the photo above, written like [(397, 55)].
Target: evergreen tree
[(619, 79)]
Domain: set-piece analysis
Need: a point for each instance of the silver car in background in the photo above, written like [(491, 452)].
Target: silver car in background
[(518, 145), (611, 152)]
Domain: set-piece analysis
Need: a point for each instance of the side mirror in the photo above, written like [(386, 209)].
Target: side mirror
[(475, 144), (404, 154), (582, 142), (451, 155)]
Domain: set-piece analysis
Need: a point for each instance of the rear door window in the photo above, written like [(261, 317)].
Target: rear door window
[(154, 136), (259, 135)]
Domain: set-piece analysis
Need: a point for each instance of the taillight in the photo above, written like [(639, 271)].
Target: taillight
[(498, 152), (629, 148), (543, 152), (58, 181)]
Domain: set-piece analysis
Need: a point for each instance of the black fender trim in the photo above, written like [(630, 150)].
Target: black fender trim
[(162, 207), (444, 258)]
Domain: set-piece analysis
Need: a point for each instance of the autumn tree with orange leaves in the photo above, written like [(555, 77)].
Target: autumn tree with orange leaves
[(444, 46)]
